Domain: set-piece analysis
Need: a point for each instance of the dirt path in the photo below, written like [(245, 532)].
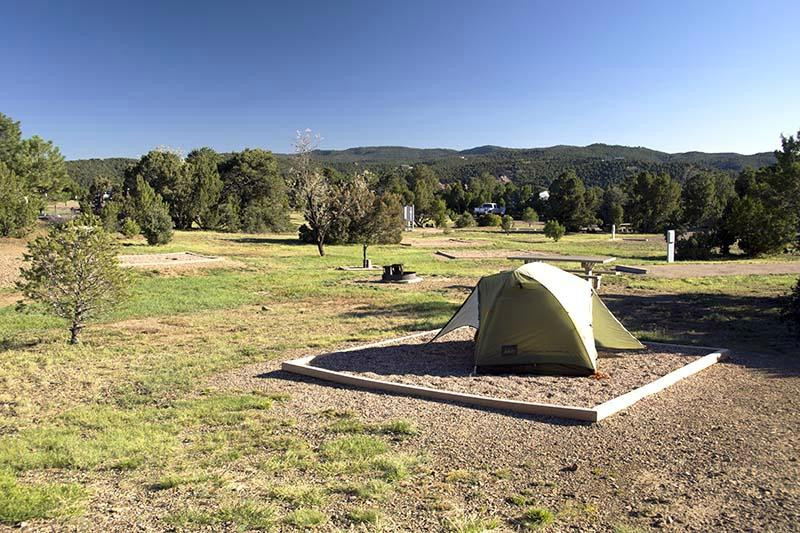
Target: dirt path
[(11, 251), (696, 270)]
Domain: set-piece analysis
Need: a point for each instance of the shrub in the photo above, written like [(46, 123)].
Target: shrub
[(490, 220), (156, 225), (554, 230), (698, 246), (465, 220), (152, 214), (507, 223), (129, 227), (530, 216)]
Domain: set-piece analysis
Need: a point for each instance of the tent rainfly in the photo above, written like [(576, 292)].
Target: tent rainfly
[(541, 318)]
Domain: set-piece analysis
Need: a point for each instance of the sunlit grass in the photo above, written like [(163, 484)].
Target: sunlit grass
[(20, 502)]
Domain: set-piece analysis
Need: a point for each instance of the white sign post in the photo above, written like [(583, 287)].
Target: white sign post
[(671, 246), (613, 231), (408, 217)]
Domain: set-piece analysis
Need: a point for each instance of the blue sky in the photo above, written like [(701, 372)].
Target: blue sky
[(108, 79)]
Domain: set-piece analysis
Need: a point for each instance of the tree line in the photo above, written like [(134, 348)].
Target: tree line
[(254, 191), (31, 170)]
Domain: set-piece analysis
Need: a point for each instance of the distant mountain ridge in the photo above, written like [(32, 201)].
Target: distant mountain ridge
[(598, 164), (593, 151)]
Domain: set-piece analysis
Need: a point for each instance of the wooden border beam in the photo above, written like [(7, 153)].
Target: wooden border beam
[(303, 366)]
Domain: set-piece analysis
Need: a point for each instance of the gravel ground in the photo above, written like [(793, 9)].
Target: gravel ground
[(715, 452), (478, 254), (695, 270), (168, 259), (447, 364)]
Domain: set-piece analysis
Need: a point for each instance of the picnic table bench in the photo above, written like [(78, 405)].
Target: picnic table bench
[(588, 263)]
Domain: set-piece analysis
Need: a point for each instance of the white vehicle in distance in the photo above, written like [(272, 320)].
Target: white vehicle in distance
[(485, 209)]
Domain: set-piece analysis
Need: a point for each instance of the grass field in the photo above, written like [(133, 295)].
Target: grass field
[(129, 424)]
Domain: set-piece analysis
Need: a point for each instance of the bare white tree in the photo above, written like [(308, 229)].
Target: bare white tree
[(313, 191)]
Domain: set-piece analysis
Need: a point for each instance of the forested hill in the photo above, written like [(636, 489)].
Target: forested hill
[(83, 170), (596, 164), (379, 154)]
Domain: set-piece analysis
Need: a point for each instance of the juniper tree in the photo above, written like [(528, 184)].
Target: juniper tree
[(18, 206), (73, 271)]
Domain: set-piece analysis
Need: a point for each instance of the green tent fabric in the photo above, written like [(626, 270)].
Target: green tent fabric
[(542, 318)]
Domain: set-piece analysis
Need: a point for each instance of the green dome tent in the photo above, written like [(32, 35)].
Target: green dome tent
[(539, 317)]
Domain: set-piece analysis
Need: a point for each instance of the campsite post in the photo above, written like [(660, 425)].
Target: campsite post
[(671, 246)]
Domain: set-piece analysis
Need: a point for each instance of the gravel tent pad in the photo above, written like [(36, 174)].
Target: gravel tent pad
[(166, 259), (442, 371)]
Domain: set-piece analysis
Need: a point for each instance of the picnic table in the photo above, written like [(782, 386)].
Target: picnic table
[(588, 262)]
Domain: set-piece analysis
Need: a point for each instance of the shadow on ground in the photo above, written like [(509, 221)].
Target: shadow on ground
[(748, 325), (288, 241), (423, 315)]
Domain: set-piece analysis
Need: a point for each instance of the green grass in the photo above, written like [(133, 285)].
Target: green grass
[(374, 489), (105, 437), (625, 528), (353, 448), (362, 515), (350, 424), (306, 495), (537, 518), (471, 523), (114, 440), (305, 518), (20, 502), (398, 428), (246, 516), (394, 467), (523, 499)]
